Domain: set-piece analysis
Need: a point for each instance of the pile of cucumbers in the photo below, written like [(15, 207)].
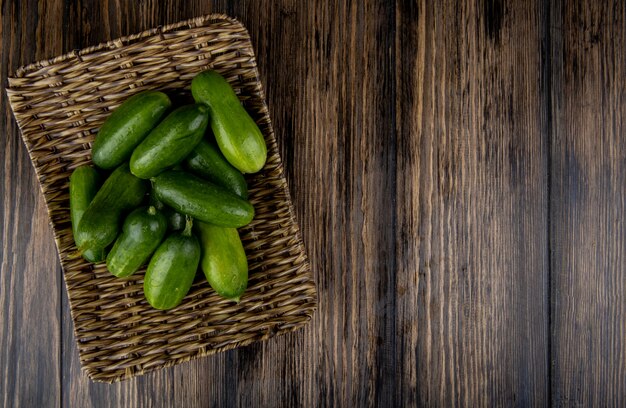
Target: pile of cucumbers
[(176, 193)]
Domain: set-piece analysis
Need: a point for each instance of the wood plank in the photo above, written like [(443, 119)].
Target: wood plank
[(588, 203), (329, 70), (472, 314), (30, 277)]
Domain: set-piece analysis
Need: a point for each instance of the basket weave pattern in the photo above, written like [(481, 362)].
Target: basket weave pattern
[(60, 104)]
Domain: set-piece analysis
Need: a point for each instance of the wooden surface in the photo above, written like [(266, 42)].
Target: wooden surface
[(588, 204), (459, 174)]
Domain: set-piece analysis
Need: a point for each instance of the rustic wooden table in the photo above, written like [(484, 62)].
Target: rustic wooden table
[(459, 173)]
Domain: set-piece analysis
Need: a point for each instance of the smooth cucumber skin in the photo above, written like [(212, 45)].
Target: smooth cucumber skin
[(224, 261), (84, 184), (202, 200), (237, 135), (100, 224), (207, 161), (171, 271), (142, 232), (96, 255), (170, 142), (127, 126)]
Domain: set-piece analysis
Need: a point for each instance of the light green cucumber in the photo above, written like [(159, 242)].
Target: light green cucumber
[(224, 261), (238, 136)]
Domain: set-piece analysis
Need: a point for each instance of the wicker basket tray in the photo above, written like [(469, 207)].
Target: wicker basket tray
[(60, 104)]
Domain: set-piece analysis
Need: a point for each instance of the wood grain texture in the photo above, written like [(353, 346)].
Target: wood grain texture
[(435, 154), (30, 275), (588, 203), (472, 310)]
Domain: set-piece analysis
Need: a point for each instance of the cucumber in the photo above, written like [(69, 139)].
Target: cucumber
[(207, 161), (127, 126), (201, 199), (84, 184), (238, 136), (224, 261), (142, 233), (170, 142), (100, 224), (96, 255), (172, 269)]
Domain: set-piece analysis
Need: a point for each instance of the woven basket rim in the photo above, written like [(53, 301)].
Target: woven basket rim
[(122, 41), (196, 22)]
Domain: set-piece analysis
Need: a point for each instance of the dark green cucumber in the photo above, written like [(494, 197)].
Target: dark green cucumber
[(84, 184), (172, 269), (207, 161), (224, 261), (237, 135), (170, 142), (201, 199), (142, 232), (100, 224), (127, 126)]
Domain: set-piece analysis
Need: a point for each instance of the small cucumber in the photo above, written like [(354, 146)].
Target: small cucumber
[(172, 269), (201, 199), (224, 261), (142, 233), (84, 184), (170, 142), (238, 136), (100, 224), (207, 161), (127, 126)]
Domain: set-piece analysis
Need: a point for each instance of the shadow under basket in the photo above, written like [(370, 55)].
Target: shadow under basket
[(60, 104)]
